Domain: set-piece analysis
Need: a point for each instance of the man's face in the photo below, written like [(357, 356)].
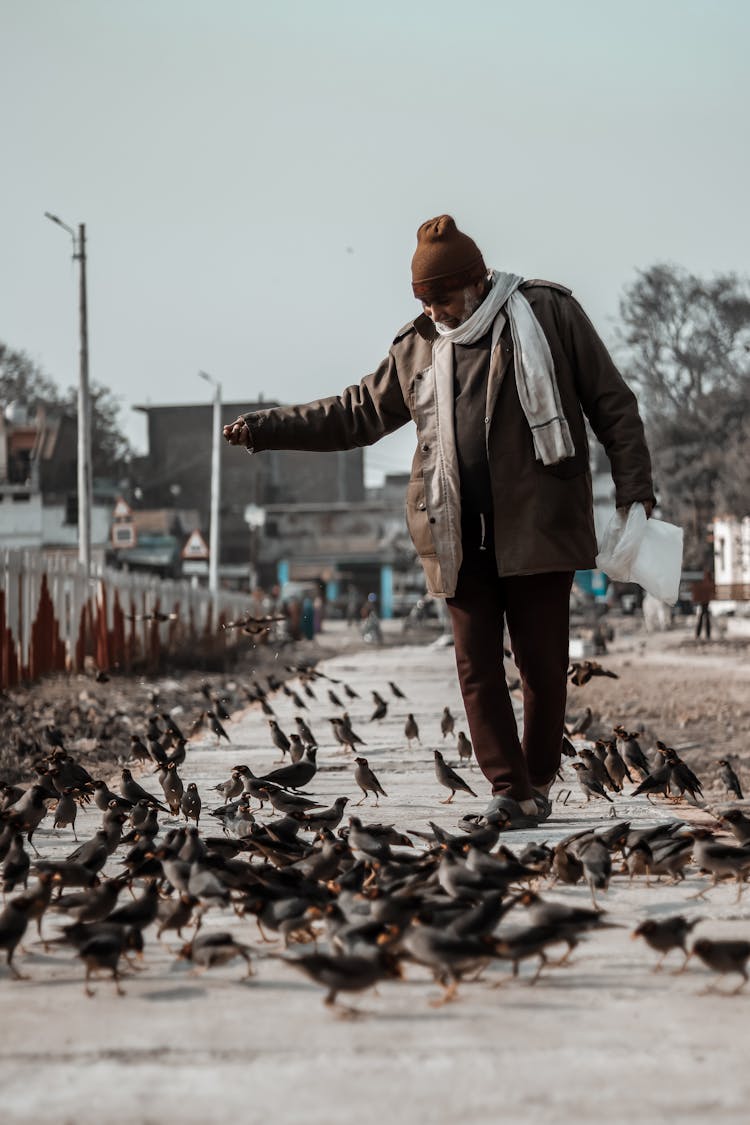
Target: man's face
[(455, 306)]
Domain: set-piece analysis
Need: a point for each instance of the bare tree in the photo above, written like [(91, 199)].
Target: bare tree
[(687, 344)]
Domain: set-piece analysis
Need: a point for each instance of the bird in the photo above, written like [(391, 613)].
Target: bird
[(729, 778), (381, 709), (411, 729), (448, 777), (345, 973), (724, 957), (134, 792), (279, 738), (395, 689), (589, 784), (102, 952), (581, 724), (738, 824), (447, 722), (296, 775), (580, 672), (629, 748), (665, 934), (13, 922), (367, 781), (190, 804), (465, 749), (211, 949)]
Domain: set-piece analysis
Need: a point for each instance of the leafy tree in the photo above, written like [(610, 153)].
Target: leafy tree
[(21, 380), (687, 342)]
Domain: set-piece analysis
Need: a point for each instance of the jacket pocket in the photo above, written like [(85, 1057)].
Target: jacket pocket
[(418, 519)]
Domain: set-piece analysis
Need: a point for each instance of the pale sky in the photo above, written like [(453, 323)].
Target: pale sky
[(252, 175)]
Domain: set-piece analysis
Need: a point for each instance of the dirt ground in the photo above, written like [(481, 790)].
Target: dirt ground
[(694, 696)]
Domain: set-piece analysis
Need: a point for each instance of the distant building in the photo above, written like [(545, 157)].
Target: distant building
[(38, 484), (732, 558)]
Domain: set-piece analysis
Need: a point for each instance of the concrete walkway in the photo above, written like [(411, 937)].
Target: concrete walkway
[(602, 1040)]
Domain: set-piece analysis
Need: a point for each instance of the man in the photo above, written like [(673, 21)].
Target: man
[(496, 373)]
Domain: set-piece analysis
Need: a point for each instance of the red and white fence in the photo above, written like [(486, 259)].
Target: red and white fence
[(53, 618)]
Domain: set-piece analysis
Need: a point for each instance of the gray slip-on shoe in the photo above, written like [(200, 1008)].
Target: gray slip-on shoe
[(502, 805), (544, 805)]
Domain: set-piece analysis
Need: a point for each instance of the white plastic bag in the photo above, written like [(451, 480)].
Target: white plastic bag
[(647, 551)]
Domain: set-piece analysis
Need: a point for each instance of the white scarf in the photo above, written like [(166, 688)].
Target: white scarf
[(538, 392)]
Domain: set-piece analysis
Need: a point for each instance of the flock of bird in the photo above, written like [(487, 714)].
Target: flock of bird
[(346, 902)]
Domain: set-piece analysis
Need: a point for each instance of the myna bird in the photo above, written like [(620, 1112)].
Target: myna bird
[(465, 749), (216, 727), (448, 777), (581, 724), (102, 952), (16, 866), (447, 722), (724, 957), (665, 934), (139, 913), (448, 955), (411, 729), (134, 792), (190, 804), (297, 775), (346, 974), (208, 950), (367, 781), (729, 778), (396, 690), (305, 733), (738, 824), (329, 818), (13, 922), (296, 747), (629, 748), (279, 738), (589, 783), (381, 710), (173, 788)]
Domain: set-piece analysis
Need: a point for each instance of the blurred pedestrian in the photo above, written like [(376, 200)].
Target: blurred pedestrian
[(702, 592)]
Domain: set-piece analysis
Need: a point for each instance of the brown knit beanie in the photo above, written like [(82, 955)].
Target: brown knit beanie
[(445, 258)]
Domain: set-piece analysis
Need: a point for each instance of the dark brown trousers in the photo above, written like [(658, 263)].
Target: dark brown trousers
[(536, 609)]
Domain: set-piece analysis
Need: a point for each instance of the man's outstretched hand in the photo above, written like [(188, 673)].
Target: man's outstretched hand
[(237, 433)]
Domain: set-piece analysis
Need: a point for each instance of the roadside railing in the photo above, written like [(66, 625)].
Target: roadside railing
[(53, 618)]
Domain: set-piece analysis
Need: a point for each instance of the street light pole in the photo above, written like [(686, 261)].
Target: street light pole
[(214, 542), (85, 486)]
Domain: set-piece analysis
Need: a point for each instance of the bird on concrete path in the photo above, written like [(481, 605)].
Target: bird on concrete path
[(597, 769), (287, 803), (190, 805), (174, 789), (334, 699), (465, 749), (102, 953), (296, 747), (729, 778), (66, 812), (395, 689), (16, 865), (665, 934), (738, 824), (208, 950), (367, 781), (615, 764), (411, 729), (297, 775), (447, 722), (597, 866), (589, 784), (724, 957), (581, 724), (346, 973), (326, 818), (139, 913), (655, 782), (216, 727), (381, 709), (134, 792), (350, 693), (629, 748), (279, 739), (13, 922), (448, 777), (305, 733)]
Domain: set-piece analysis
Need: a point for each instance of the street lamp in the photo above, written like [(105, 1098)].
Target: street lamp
[(213, 542), (84, 407)]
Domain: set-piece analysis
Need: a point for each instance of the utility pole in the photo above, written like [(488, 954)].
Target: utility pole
[(85, 486), (214, 539)]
